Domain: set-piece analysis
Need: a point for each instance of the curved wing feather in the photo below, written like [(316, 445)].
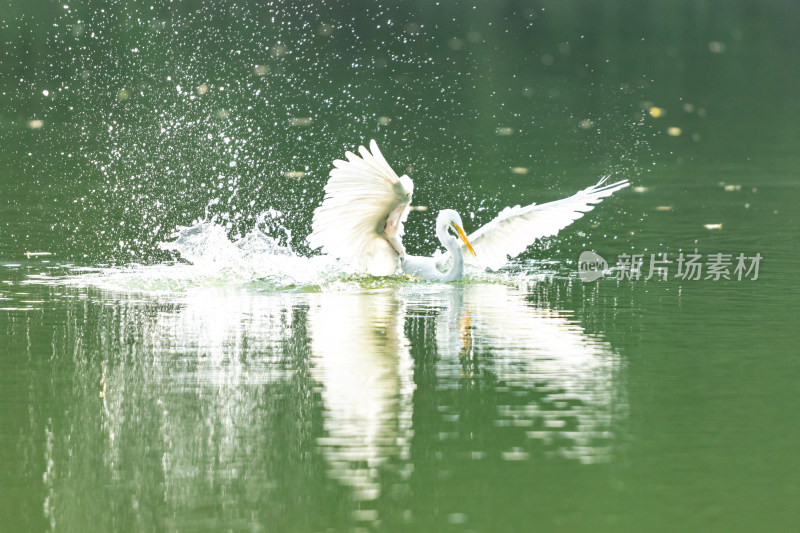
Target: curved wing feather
[(516, 228), (361, 217)]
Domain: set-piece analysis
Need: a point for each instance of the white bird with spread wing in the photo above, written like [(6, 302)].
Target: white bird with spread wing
[(361, 220)]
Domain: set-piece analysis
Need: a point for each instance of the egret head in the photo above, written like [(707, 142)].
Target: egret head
[(449, 223)]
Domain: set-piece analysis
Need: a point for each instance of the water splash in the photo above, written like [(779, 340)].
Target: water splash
[(136, 117), (257, 255), (207, 256)]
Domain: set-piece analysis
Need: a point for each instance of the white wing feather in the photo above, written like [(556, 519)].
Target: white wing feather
[(361, 218), (516, 228)]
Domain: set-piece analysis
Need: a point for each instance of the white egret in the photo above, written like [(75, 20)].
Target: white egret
[(361, 220)]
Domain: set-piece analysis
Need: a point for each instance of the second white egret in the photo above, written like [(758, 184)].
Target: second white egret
[(361, 220)]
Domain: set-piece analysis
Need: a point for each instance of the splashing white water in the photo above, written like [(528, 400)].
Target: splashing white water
[(208, 257), (257, 256), (258, 259)]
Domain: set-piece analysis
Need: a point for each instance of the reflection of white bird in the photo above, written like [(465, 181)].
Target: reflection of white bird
[(361, 362), (361, 219)]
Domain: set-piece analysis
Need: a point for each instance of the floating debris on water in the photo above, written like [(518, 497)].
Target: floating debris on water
[(412, 28), (585, 124), (35, 124), (455, 43), (365, 515), (457, 518), (294, 174), (674, 131), (514, 455), (201, 89), (300, 121), (689, 108), (505, 131), (37, 254), (279, 50), (731, 186), (712, 226), (418, 207), (261, 70), (664, 208), (474, 36), (640, 189), (384, 121), (657, 112), (716, 47), (519, 170)]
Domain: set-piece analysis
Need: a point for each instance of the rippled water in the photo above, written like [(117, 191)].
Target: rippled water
[(217, 405), (172, 398), (173, 357)]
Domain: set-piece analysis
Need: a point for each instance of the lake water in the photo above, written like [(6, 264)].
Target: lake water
[(210, 389)]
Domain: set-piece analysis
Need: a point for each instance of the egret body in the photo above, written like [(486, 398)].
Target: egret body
[(449, 230), (361, 220)]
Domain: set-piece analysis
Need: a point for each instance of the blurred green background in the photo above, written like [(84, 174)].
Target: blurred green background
[(132, 411), (121, 120)]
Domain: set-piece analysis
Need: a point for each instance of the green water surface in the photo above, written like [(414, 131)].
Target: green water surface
[(137, 397)]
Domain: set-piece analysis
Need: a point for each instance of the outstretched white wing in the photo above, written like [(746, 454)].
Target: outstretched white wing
[(361, 218), (516, 228)]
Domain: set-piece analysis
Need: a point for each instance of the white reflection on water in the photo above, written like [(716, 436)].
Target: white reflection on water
[(224, 388), (362, 363), (574, 375)]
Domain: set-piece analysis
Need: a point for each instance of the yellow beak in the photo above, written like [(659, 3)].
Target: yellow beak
[(463, 237)]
